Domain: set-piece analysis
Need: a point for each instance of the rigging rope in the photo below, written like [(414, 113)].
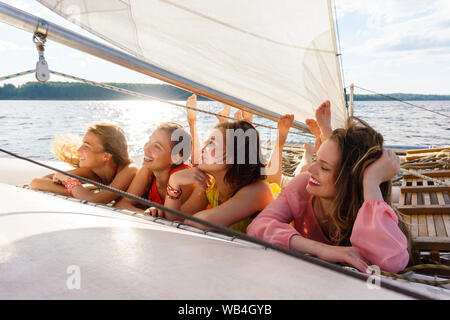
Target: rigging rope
[(143, 96), (229, 231), (11, 76), (418, 175), (405, 102)]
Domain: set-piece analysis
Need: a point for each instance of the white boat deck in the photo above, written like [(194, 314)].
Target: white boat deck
[(45, 240)]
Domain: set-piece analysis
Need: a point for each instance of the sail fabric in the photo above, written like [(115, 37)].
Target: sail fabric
[(279, 55)]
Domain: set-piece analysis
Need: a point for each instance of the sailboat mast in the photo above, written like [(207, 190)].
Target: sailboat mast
[(30, 23), (338, 64)]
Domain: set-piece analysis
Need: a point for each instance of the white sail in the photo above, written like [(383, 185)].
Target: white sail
[(279, 55)]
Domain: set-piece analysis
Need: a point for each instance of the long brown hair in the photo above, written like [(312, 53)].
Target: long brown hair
[(359, 145), (242, 173), (111, 137)]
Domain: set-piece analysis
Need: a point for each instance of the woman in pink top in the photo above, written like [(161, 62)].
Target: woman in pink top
[(340, 206)]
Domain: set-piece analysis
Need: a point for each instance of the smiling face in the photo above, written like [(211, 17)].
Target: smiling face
[(157, 151), (323, 171), (92, 153), (213, 152)]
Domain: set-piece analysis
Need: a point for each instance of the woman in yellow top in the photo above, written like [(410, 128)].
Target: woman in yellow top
[(231, 181)]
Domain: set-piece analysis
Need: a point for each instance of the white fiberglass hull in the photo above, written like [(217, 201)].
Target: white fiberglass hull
[(57, 248)]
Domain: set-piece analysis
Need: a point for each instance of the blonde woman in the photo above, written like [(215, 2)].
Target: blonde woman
[(102, 157)]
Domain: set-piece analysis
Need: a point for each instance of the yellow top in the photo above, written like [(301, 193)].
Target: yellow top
[(212, 195)]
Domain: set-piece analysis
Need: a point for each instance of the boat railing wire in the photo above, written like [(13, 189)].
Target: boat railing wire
[(145, 97), (236, 234), (224, 230), (402, 101)]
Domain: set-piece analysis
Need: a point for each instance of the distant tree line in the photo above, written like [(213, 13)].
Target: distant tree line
[(400, 96), (83, 91)]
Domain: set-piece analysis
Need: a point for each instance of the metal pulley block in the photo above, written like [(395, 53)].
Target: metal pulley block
[(39, 39), (42, 73)]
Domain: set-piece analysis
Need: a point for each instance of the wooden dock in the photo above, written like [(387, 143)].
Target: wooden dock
[(425, 204)]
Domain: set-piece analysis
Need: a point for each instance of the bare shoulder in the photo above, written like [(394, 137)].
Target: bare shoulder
[(257, 191), (131, 168), (85, 173)]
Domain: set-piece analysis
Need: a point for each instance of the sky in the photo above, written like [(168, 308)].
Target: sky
[(387, 46)]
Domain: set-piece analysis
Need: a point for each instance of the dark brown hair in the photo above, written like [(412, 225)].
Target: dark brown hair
[(360, 145), (242, 173), (170, 127)]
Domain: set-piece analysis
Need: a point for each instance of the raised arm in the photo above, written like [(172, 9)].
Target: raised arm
[(376, 232), (192, 120)]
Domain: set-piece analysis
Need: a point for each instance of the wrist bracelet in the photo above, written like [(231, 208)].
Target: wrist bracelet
[(70, 184), (172, 193)]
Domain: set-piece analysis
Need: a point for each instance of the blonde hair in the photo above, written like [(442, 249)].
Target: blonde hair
[(65, 147), (112, 138)]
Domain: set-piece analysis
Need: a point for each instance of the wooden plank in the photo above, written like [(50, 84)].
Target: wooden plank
[(434, 174), (426, 195), (401, 201), (407, 219), (427, 150), (414, 194), (408, 198), (446, 218), (428, 188), (402, 194), (414, 226), (423, 155), (427, 243), (440, 227), (423, 229), (432, 209), (440, 197), (430, 226)]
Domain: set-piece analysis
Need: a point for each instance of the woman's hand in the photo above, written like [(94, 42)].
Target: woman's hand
[(192, 114), (349, 255), (154, 212), (383, 169), (189, 176), (60, 178)]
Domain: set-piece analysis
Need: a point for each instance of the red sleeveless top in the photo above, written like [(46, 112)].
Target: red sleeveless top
[(152, 193)]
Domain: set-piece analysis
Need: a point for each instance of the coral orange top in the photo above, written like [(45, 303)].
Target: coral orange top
[(375, 232)]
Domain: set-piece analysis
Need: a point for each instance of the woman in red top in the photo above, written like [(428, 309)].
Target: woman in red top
[(161, 160)]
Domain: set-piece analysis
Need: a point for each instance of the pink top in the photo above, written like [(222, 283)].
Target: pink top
[(375, 232)]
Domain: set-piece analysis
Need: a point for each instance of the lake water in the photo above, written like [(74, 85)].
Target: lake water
[(27, 127)]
